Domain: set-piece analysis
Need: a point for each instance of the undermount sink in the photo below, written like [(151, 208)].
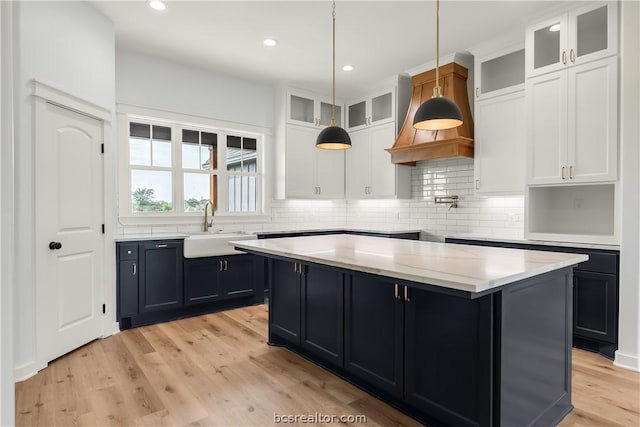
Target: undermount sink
[(213, 244)]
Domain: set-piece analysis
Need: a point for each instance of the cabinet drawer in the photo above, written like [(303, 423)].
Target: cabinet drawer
[(600, 263), (128, 251)]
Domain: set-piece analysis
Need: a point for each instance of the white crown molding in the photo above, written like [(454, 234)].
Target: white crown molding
[(462, 58)]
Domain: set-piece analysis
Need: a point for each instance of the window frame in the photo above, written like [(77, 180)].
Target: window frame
[(177, 122)]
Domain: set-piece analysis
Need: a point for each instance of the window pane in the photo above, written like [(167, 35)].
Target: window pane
[(210, 139), (162, 154), (140, 152), (242, 194), (208, 157), (197, 191), (151, 191), (239, 152), (140, 130), (162, 133), (192, 136), (191, 156)]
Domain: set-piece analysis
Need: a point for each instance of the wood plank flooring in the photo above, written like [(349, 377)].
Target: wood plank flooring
[(216, 370)]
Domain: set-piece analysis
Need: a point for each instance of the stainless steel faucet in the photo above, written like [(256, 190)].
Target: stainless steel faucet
[(208, 224)]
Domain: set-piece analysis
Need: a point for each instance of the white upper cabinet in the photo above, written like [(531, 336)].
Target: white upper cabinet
[(499, 164), (369, 171), (572, 129), (499, 72), (308, 109), (582, 35), (311, 172), (500, 126), (376, 109)]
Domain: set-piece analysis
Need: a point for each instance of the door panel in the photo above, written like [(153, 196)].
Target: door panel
[(547, 128), (201, 280), (238, 277), (595, 301), (593, 121), (300, 161), (321, 312), (358, 170), (374, 333), (160, 285), (284, 301), (383, 179), (69, 211)]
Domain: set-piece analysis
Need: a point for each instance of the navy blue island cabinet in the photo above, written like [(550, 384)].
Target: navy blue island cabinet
[(443, 356)]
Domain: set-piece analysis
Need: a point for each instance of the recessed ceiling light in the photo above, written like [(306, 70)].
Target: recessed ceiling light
[(554, 27), (270, 42), (157, 4), (347, 68)]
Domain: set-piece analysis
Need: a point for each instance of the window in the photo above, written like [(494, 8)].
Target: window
[(176, 169), (150, 160), (242, 173)]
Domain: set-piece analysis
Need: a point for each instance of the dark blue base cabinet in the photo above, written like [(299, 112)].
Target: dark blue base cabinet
[(156, 283), (444, 357), (595, 294)]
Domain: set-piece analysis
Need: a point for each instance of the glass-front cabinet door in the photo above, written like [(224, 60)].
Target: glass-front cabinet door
[(546, 46), (582, 35), (301, 109), (374, 110), (594, 32)]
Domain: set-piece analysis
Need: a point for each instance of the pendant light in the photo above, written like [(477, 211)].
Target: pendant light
[(333, 137), (438, 112)]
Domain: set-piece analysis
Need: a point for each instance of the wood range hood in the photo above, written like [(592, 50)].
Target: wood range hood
[(414, 145)]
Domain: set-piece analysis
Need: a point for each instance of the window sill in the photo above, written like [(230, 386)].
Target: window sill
[(192, 219)]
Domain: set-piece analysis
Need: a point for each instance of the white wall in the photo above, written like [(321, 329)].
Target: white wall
[(69, 46), (7, 397), (628, 354), (147, 81)]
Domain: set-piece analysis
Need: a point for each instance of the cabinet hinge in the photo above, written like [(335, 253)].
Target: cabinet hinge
[(102, 228), (104, 308), (102, 148)]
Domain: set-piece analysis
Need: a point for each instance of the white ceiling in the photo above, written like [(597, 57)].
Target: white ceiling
[(379, 38)]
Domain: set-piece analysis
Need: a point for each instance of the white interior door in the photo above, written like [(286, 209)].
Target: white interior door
[(69, 239)]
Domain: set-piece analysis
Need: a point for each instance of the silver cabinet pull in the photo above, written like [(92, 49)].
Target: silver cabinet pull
[(564, 57), (135, 269), (295, 267), (396, 294), (562, 173), (406, 294), (477, 92), (572, 56), (570, 172), (163, 245), (477, 184), (226, 265), (219, 265)]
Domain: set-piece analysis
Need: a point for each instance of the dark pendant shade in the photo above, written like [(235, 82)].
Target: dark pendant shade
[(333, 138), (436, 114)]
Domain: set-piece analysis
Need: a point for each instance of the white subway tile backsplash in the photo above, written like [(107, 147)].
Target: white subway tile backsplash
[(501, 216)]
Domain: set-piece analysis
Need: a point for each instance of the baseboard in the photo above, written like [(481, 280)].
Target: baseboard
[(26, 371), (627, 361)]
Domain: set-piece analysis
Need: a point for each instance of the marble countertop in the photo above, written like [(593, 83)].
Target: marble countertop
[(165, 235), (490, 238), (462, 267), (338, 229)]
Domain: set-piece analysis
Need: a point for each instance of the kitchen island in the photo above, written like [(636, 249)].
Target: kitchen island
[(453, 335)]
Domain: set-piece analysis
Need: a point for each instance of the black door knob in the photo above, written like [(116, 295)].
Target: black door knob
[(55, 245)]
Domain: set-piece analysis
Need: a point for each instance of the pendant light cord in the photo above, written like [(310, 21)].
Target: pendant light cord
[(333, 86), (436, 90)]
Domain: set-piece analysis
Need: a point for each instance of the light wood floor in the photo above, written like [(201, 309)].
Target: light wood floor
[(216, 370)]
